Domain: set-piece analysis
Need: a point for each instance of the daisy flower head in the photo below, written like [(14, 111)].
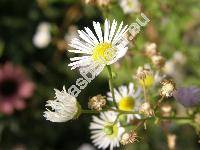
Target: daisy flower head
[(105, 133), (99, 48), (64, 108), (127, 99)]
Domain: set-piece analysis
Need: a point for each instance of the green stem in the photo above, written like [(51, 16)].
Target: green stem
[(116, 118), (158, 104), (124, 112), (145, 92), (85, 111), (111, 85)]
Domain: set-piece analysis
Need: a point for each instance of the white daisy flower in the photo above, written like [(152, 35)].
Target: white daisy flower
[(130, 6), (127, 99), (104, 132), (64, 108), (101, 50)]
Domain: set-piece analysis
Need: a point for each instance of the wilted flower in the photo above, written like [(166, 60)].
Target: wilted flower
[(42, 37), (150, 49), (158, 60), (129, 138), (105, 49), (15, 87), (145, 76), (167, 89), (64, 108), (188, 96), (104, 132), (97, 102), (127, 99), (130, 6), (146, 109)]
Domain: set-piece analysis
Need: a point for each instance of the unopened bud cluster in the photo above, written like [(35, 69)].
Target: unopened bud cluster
[(97, 102)]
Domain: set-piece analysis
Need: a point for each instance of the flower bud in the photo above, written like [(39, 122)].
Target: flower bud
[(158, 61), (146, 109)]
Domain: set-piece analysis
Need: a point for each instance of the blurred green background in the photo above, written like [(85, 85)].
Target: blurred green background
[(174, 26)]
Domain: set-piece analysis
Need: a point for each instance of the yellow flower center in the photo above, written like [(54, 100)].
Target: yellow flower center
[(147, 81), (111, 130), (126, 104), (103, 53)]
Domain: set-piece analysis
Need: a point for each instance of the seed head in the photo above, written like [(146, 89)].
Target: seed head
[(168, 87), (97, 102), (129, 138)]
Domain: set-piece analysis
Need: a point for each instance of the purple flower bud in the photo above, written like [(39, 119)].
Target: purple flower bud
[(188, 96)]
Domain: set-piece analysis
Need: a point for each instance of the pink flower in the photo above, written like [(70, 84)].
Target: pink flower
[(15, 87)]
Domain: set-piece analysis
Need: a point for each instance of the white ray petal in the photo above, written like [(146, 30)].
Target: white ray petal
[(97, 28), (112, 30)]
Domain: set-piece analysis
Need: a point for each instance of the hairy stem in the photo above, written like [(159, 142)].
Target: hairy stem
[(158, 104), (145, 92), (111, 85)]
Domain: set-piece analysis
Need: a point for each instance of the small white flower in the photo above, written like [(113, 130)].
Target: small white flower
[(64, 108), (104, 132), (127, 99), (105, 49), (130, 6), (42, 37)]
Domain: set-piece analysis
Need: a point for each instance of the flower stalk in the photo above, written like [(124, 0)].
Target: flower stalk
[(111, 84)]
